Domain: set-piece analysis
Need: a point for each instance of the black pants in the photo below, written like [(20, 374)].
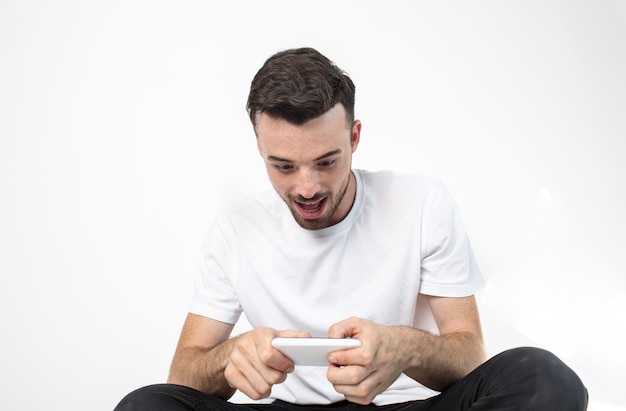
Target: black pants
[(518, 379)]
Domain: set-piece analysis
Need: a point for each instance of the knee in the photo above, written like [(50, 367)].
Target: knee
[(550, 378), (538, 362), (146, 398)]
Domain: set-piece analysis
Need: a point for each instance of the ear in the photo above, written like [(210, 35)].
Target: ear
[(355, 135)]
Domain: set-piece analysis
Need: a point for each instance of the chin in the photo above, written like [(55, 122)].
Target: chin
[(311, 224)]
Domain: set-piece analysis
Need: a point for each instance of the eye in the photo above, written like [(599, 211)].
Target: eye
[(326, 163), (283, 168)]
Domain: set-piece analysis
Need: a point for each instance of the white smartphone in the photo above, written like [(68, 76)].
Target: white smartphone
[(312, 351)]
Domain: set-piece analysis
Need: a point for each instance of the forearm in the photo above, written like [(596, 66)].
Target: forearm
[(203, 369), (439, 361)]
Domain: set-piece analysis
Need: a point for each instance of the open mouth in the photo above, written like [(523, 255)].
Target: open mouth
[(311, 209)]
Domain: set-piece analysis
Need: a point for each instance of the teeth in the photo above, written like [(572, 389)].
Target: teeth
[(311, 207)]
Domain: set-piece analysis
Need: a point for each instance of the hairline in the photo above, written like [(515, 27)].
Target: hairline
[(348, 123)]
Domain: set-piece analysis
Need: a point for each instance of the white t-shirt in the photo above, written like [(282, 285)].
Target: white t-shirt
[(403, 236)]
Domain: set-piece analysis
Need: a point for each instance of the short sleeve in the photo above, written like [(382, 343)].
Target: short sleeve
[(214, 294), (448, 264)]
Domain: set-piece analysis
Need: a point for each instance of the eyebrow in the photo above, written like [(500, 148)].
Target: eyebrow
[(323, 156)]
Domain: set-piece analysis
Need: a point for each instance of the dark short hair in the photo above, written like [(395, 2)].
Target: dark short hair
[(298, 85)]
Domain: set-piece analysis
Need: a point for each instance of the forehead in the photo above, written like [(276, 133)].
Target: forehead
[(279, 138)]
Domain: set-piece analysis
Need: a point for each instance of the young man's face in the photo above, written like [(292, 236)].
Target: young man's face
[(309, 165)]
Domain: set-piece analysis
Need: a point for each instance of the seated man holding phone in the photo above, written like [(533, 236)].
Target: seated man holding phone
[(332, 251)]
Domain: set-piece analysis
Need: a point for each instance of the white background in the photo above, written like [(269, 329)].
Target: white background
[(123, 131)]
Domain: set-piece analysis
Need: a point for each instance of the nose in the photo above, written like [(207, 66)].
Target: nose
[(308, 184)]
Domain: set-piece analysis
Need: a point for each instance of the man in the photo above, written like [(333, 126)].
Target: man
[(332, 251)]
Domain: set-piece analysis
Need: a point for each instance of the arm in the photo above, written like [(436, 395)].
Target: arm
[(436, 361), (207, 360), (439, 361), (202, 355)]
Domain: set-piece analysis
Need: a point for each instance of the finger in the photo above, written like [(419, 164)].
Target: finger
[(274, 361), (349, 328), (294, 334), (364, 398), (277, 359), (346, 375), (262, 376), (266, 358), (246, 379), (363, 392), (250, 365), (350, 356)]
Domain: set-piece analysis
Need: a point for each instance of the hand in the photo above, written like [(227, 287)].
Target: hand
[(362, 373), (255, 366)]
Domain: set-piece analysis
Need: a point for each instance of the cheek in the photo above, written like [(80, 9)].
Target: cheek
[(279, 181), (339, 176)]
